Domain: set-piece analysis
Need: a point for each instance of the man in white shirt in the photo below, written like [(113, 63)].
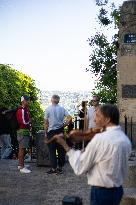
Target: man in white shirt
[(54, 124), (91, 112), (105, 159)]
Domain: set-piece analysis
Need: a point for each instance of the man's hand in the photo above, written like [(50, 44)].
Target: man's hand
[(68, 120)]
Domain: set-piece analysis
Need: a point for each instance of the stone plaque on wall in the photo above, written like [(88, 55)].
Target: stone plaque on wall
[(128, 91), (130, 38)]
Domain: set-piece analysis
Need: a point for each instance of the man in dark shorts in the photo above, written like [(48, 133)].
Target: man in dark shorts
[(23, 133)]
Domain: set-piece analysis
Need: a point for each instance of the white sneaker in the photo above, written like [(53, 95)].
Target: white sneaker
[(26, 166), (25, 171)]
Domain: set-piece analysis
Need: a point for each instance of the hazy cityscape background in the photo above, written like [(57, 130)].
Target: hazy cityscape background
[(68, 99)]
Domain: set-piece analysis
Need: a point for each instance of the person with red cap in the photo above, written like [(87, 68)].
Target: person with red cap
[(23, 133)]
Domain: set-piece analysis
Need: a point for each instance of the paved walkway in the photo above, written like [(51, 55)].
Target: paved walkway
[(38, 188)]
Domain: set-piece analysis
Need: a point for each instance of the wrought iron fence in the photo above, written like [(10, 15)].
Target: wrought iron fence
[(129, 128)]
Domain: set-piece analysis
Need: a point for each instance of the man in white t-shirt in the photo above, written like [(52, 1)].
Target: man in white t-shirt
[(91, 112)]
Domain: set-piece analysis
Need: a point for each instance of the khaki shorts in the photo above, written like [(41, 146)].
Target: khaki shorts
[(23, 141), (23, 138)]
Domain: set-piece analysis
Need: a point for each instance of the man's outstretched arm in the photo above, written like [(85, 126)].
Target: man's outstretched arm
[(80, 161)]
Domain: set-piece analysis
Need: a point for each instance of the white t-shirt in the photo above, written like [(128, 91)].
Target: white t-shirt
[(55, 115), (91, 117)]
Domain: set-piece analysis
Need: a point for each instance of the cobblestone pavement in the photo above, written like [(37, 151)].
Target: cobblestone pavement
[(38, 188)]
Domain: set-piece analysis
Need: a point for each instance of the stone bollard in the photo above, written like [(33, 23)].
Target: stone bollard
[(43, 158)]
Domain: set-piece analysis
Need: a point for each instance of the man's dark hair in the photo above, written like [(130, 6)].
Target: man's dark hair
[(56, 97), (110, 111), (97, 97)]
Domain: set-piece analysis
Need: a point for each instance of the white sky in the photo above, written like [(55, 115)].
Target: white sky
[(47, 39)]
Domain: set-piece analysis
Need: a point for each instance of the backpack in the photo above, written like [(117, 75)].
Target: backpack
[(11, 119)]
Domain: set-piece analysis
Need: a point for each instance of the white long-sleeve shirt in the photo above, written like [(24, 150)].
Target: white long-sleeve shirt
[(105, 159)]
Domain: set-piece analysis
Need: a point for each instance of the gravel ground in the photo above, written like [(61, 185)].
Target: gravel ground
[(38, 188)]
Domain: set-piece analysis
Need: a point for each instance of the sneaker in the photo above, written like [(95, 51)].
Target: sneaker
[(59, 170), (26, 166), (52, 171), (25, 171)]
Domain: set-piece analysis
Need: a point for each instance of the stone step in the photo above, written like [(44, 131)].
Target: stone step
[(129, 197)]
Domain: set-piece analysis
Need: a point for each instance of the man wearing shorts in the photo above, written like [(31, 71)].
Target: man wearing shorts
[(23, 133)]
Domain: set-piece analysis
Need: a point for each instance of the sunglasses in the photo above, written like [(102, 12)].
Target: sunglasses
[(95, 100)]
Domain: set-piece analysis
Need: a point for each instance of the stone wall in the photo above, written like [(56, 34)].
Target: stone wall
[(126, 65)]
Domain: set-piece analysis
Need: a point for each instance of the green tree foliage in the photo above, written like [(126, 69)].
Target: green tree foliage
[(103, 58), (14, 84)]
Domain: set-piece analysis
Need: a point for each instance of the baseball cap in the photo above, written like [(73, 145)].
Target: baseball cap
[(25, 97)]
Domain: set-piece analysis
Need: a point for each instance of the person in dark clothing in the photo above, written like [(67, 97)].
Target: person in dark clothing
[(5, 139), (81, 114)]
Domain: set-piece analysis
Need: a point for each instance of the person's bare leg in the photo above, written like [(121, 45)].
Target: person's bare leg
[(21, 155)]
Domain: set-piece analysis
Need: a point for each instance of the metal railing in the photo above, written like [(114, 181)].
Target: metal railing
[(129, 124)]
